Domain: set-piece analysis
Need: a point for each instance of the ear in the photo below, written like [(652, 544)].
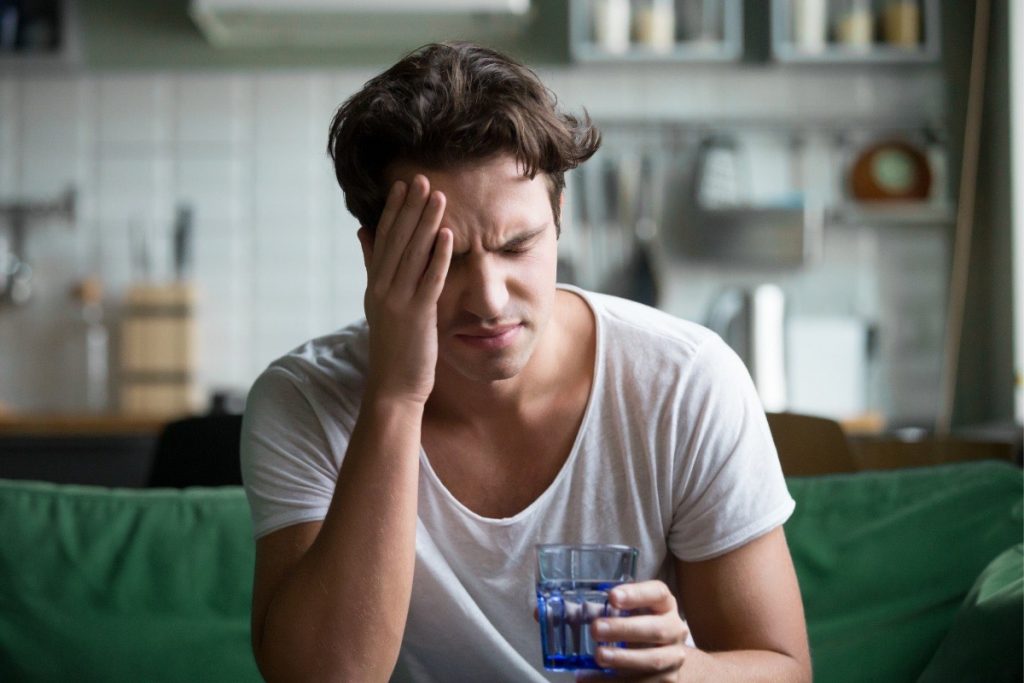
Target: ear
[(366, 243), (561, 215)]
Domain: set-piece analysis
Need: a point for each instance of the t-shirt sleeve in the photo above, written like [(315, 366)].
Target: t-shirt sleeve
[(289, 466), (728, 486)]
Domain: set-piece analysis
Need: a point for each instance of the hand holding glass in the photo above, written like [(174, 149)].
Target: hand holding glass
[(572, 590)]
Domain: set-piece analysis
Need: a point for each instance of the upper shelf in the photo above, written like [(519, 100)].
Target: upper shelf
[(892, 214), (656, 30), (855, 31), (802, 31)]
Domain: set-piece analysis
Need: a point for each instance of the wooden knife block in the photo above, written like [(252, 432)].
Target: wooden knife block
[(158, 351)]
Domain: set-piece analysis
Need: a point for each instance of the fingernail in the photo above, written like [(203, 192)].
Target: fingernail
[(599, 628), (605, 655)]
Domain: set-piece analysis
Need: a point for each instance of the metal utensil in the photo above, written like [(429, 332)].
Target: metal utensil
[(643, 280), (183, 242), (610, 220), (584, 236)]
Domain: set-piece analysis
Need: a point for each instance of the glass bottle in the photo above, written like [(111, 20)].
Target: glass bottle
[(92, 341), (611, 26), (855, 23), (901, 23), (654, 24)]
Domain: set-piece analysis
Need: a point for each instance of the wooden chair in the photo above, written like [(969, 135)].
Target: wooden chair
[(810, 446)]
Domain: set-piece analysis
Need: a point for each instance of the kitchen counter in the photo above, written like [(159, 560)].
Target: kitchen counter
[(100, 450), (70, 425)]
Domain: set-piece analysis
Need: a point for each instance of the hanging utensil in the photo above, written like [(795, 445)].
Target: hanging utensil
[(643, 280), (182, 239), (582, 226), (610, 221)]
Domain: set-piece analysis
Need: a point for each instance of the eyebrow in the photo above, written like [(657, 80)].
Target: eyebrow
[(515, 241)]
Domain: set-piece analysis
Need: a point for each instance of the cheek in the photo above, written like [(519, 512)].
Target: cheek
[(550, 263), (448, 299), (533, 273)]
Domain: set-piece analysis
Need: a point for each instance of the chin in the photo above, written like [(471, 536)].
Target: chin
[(489, 369)]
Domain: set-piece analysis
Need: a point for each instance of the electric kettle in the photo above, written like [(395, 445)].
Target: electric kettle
[(752, 321)]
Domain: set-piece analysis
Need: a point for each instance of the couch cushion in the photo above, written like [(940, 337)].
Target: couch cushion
[(984, 642), (886, 558), (124, 585), (155, 585)]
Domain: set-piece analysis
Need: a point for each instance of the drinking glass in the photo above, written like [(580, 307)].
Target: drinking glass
[(572, 590)]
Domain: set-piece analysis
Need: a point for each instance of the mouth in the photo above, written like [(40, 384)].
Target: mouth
[(490, 337)]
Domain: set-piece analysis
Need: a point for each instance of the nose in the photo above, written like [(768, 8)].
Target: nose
[(485, 294)]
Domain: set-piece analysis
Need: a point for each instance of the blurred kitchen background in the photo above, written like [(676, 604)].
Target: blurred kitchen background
[(786, 172)]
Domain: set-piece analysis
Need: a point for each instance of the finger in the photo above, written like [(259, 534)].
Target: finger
[(653, 595), (659, 629), (392, 205), (366, 244), (396, 239), (433, 279), (417, 254), (645, 660)]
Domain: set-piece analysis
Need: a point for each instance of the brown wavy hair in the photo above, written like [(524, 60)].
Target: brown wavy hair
[(447, 104)]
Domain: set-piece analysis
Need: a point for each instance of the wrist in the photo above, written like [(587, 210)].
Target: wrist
[(380, 400)]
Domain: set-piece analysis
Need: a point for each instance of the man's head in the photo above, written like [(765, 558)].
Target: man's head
[(447, 105)]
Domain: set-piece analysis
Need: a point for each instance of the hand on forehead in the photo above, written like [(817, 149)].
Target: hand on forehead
[(489, 203)]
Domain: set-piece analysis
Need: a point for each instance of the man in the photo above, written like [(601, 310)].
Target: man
[(401, 470)]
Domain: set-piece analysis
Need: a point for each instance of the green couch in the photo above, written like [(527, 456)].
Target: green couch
[(906, 575)]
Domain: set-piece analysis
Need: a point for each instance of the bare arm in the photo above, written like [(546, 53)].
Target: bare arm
[(746, 615), (330, 599), (743, 609)]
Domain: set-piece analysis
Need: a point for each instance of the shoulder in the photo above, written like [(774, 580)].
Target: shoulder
[(326, 370), (642, 331), (650, 355)]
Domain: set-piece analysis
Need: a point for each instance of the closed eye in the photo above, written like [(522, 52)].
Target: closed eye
[(521, 243), (517, 246)]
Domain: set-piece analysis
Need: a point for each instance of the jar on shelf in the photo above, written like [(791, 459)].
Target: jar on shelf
[(855, 24), (699, 21), (901, 23), (654, 24), (810, 25), (611, 26)]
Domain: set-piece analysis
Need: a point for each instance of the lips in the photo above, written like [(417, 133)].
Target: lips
[(490, 337)]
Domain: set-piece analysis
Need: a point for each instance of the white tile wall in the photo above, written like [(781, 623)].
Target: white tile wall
[(290, 113), (135, 112), (10, 148), (57, 120), (216, 189), (275, 252), (213, 112)]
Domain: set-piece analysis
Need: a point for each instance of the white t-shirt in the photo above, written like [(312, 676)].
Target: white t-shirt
[(673, 456)]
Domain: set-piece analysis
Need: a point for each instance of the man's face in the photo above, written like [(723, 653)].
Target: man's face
[(500, 290)]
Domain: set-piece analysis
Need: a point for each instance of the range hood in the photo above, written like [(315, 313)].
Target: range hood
[(355, 23)]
